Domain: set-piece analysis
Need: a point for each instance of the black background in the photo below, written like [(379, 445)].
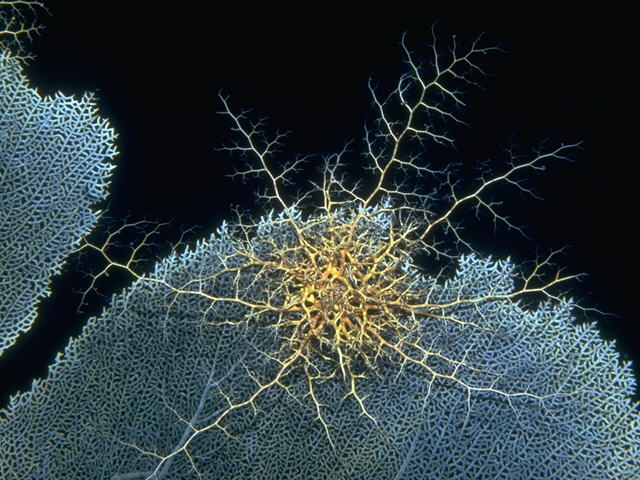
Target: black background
[(157, 72)]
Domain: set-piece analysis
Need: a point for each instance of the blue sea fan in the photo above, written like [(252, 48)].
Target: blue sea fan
[(308, 344), (54, 167), (158, 366)]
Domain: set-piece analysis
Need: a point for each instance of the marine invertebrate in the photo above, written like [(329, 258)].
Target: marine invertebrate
[(310, 344), (54, 168), (18, 25)]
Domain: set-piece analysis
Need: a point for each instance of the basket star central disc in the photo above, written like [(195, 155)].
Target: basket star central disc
[(342, 307)]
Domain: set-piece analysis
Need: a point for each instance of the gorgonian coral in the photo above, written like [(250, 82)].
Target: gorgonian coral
[(310, 344)]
